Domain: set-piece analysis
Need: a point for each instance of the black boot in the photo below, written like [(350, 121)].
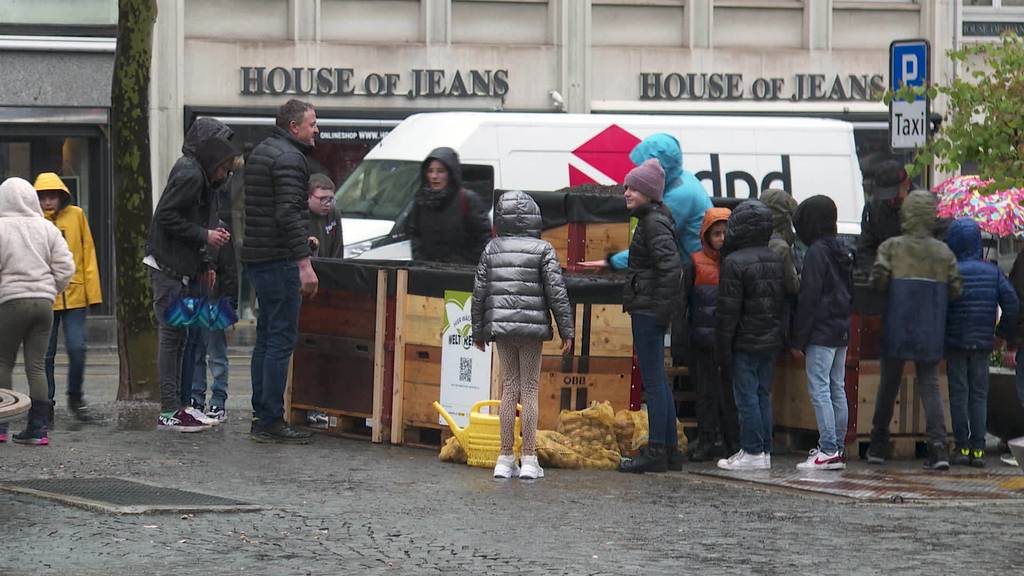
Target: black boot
[(938, 457), (673, 458), (712, 447), (651, 459), (35, 432), (80, 410)]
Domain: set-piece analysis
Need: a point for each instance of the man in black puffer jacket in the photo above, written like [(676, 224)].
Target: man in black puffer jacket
[(276, 255), (651, 293), (447, 223), (748, 335)]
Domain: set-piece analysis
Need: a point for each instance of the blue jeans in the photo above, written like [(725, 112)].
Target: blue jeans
[(1020, 383), (826, 385), (212, 349), (74, 345), (277, 330), (649, 342), (752, 386), (968, 397)]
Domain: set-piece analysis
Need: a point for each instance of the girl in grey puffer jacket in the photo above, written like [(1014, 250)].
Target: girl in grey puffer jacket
[(518, 286)]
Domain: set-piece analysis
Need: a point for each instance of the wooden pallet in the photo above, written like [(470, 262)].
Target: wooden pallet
[(340, 423)]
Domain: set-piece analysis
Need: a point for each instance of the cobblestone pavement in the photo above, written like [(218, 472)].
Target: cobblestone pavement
[(347, 506)]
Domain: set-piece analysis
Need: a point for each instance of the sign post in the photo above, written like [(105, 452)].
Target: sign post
[(908, 66), (465, 370)]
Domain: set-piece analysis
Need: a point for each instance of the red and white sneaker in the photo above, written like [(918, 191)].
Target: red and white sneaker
[(200, 417), (817, 460), (181, 421)]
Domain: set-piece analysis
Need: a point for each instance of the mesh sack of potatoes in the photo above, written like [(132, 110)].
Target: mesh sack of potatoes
[(592, 429), (631, 429), (560, 451), (452, 452)]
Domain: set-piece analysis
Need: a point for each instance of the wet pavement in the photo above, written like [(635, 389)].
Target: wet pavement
[(341, 505)]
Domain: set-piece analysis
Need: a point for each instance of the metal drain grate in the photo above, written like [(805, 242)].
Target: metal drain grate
[(124, 496), (890, 485)]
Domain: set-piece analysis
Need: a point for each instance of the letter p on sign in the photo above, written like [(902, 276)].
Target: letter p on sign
[(909, 66)]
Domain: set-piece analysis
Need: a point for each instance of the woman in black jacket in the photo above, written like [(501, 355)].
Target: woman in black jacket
[(448, 223), (652, 288)]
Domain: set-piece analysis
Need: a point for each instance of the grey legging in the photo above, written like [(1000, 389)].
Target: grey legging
[(26, 321)]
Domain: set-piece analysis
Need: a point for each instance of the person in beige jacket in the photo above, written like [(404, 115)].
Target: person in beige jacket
[(35, 266)]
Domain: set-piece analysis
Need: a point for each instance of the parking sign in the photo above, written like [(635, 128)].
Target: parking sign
[(908, 66)]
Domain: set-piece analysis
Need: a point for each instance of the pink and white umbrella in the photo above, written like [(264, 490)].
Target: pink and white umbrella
[(999, 212)]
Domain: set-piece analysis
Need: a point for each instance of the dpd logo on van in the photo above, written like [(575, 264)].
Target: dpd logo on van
[(608, 153)]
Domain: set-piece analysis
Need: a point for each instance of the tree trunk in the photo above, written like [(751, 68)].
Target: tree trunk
[(133, 203)]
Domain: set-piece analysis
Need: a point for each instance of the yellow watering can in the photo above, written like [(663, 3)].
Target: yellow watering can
[(481, 439)]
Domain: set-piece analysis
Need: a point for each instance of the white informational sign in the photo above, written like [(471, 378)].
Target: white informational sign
[(465, 370), (908, 121)]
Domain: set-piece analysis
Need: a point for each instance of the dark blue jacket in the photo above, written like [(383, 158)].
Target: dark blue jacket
[(971, 318), (826, 296)]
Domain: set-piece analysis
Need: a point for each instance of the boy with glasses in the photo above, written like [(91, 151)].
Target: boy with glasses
[(325, 239)]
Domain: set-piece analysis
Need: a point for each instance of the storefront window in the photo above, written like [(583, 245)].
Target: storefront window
[(81, 163), (57, 12)]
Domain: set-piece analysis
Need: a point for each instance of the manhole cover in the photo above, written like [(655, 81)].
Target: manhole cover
[(124, 496)]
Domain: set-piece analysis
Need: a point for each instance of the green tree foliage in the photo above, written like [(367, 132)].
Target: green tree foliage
[(985, 119), (133, 199)]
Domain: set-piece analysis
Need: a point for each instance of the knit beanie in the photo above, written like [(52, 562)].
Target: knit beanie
[(648, 179)]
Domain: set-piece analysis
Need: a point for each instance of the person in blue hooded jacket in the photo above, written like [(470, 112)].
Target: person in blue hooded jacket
[(970, 321), (685, 197)]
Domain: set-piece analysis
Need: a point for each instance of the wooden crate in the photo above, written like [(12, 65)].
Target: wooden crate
[(338, 366), (602, 330), (599, 240), (573, 383), (339, 423), (793, 411)]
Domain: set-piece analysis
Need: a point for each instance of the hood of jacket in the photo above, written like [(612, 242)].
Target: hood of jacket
[(18, 199), (517, 215), (814, 218), (964, 239), (782, 205), (203, 129), (666, 150), (750, 224), (48, 181), (917, 216), (711, 217), (450, 159)]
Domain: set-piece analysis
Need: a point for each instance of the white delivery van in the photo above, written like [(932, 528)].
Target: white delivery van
[(732, 156)]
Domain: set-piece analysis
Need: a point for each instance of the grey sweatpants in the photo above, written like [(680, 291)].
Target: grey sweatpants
[(26, 321), (166, 291)]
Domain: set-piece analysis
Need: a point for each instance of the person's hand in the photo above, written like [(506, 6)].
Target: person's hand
[(217, 237), (208, 279), (307, 277), (566, 346), (480, 345), (1010, 358), (314, 244), (593, 264), (796, 353)]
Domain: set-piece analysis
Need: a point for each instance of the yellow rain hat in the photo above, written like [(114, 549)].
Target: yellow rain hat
[(50, 181)]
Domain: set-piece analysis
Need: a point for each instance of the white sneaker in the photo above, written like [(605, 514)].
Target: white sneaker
[(506, 467), (743, 461), (817, 460), (218, 414), (1009, 459), (531, 469), (202, 418)]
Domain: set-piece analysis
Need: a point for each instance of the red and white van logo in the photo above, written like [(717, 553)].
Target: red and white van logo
[(608, 153)]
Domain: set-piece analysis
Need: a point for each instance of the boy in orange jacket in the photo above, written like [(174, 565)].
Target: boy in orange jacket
[(71, 305)]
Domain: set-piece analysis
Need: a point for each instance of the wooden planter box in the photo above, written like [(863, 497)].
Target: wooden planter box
[(572, 383), (339, 363)]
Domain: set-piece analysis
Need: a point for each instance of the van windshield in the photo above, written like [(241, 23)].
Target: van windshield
[(378, 189)]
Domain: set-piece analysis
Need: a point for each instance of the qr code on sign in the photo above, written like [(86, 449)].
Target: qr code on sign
[(465, 369)]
